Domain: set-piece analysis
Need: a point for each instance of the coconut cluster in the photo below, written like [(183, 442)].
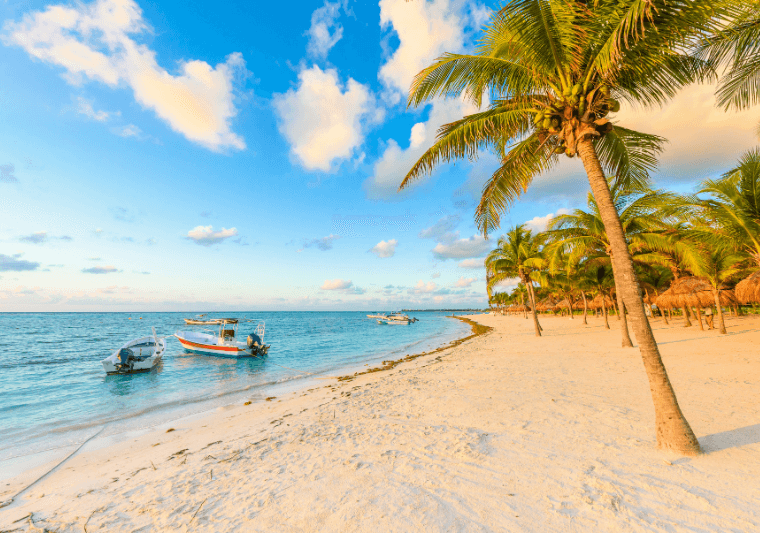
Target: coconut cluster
[(576, 110)]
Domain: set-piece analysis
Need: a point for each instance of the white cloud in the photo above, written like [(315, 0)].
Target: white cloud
[(206, 236), (435, 275), (336, 284), (425, 30), (703, 139), (100, 270), (93, 42), (538, 224), (14, 263), (35, 238), (343, 286), (423, 288), (324, 244), (84, 107), (395, 162), (441, 231), (465, 282), (321, 119), (475, 246), (506, 284), (324, 32), (472, 263), (385, 248), (130, 130)]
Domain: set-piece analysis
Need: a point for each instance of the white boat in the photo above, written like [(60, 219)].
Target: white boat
[(394, 320), (223, 343), (377, 316), (139, 355)]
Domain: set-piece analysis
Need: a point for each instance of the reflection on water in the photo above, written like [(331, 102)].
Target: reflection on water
[(52, 381)]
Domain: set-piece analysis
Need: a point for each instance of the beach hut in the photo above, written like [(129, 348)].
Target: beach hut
[(747, 291)]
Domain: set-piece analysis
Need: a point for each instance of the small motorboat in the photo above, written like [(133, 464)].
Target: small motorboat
[(396, 318), (139, 355), (381, 316), (223, 343)]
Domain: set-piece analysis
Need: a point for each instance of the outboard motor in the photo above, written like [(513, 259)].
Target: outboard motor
[(256, 345), (126, 360)]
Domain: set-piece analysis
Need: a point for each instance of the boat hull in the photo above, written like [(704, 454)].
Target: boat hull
[(394, 322), (144, 363), (210, 346)]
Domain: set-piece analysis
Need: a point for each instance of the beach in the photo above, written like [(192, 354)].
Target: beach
[(503, 432)]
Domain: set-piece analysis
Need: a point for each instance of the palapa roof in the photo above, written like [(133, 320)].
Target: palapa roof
[(748, 290), (596, 303), (690, 291)]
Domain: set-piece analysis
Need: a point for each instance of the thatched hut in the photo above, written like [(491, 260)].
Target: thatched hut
[(598, 302), (748, 290), (546, 304)]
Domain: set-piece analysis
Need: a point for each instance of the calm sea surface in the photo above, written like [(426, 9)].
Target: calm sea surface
[(55, 394)]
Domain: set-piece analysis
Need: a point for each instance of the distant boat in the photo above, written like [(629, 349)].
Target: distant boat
[(202, 322), (139, 355), (223, 343), (377, 316)]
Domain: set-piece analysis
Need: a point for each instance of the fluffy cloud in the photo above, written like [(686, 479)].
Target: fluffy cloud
[(395, 162), (475, 246), (14, 263), (340, 285), (506, 284), (321, 119), (538, 224), (472, 263), (441, 230), (423, 288), (7, 173), (703, 139), (93, 42), (324, 32), (84, 107), (100, 269), (464, 282), (425, 30), (324, 244), (206, 236), (385, 248)]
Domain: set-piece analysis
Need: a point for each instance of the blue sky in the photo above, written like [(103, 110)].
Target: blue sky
[(246, 156)]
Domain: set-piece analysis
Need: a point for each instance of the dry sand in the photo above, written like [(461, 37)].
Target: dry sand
[(506, 432)]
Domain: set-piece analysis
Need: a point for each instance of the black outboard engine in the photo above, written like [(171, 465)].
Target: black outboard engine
[(126, 360), (256, 345)]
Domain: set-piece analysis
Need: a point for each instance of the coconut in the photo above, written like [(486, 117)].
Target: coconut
[(614, 105)]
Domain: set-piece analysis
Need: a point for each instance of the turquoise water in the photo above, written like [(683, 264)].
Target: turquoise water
[(54, 392)]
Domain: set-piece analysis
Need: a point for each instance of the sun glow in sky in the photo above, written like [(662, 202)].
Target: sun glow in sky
[(207, 156)]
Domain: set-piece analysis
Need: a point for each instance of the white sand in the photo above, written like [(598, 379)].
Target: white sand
[(506, 432)]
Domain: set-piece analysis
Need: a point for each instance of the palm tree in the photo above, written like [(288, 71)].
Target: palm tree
[(640, 210), (596, 277), (553, 70), (508, 260)]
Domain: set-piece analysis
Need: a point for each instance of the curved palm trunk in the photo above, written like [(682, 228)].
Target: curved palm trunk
[(673, 431), (606, 321), (615, 299), (532, 297), (570, 308), (585, 307), (721, 322), (522, 302)]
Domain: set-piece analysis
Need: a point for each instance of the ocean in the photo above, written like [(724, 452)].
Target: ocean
[(54, 393)]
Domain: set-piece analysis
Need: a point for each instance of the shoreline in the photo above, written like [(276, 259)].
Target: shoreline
[(22, 464), (501, 432)]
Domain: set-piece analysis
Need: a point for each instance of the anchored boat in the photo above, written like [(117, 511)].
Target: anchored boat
[(139, 355), (223, 343)]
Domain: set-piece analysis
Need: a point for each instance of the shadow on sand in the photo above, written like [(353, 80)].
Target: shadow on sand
[(734, 438)]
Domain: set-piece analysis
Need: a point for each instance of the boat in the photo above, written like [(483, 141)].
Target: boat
[(223, 343), (377, 316), (138, 355), (394, 321), (202, 322)]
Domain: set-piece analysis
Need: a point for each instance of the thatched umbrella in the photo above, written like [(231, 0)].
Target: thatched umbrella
[(748, 290), (688, 292), (546, 304), (726, 297), (598, 302)]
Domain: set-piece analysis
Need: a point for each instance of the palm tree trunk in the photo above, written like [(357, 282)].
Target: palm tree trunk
[(532, 298), (686, 321), (699, 317), (585, 307), (522, 302), (672, 429), (615, 299), (604, 306), (721, 322)]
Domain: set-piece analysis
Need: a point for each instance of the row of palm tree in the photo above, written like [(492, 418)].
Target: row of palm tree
[(551, 74)]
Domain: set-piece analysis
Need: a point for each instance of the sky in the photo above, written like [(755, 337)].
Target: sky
[(181, 156)]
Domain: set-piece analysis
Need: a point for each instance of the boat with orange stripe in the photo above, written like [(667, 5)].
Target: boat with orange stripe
[(223, 343)]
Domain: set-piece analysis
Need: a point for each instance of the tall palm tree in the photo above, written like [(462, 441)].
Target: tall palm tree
[(553, 71), (508, 260)]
